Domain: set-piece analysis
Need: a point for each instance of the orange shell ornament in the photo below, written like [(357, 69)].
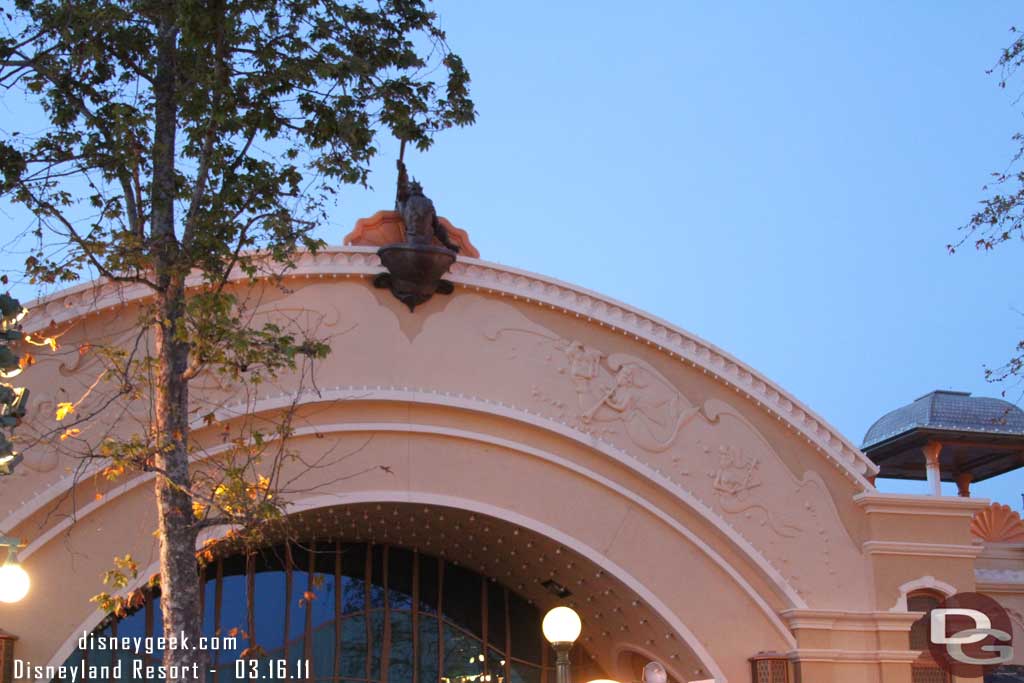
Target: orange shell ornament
[(385, 227), (998, 523)]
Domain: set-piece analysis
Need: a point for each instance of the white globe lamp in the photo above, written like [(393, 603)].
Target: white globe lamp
[(561, 628), (14, 580)]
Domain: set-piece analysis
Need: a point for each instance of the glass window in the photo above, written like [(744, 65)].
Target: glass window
[(428, 583), (495, 615), (463, 654), (353, 647), (400, 569), (328, 621), (526, 636), (427, 649), (461, 598), (353, 566), (400, 662)]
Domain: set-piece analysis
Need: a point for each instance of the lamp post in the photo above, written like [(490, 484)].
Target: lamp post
[(561, 628), (14, 580)]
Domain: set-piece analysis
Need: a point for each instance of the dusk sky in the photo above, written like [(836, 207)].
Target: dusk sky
[(781, 179)]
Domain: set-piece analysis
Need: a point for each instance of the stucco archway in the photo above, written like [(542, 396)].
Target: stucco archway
[(521, 398)]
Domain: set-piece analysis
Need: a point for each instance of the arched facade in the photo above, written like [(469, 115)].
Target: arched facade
[(696, 512)]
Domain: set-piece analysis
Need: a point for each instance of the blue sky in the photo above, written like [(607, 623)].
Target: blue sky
[(778, 178)]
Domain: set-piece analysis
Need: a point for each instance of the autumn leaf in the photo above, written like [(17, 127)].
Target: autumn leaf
[(70, 433), (64, 409), (113, 471)]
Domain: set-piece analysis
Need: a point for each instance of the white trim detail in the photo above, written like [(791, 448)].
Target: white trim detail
[(407, 395), (845, 620), (915, 549), (912, 504), (833, 656), (635, 499), (923, 583), (344, 262)]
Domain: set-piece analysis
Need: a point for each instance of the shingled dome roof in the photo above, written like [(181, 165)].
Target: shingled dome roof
[(956, 411), (980, 435)]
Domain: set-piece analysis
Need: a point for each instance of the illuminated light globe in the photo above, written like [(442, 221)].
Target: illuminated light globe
[(562, 625), (654, 672), (14, 582)]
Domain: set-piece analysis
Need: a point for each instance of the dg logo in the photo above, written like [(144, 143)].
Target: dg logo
[(970, 635)]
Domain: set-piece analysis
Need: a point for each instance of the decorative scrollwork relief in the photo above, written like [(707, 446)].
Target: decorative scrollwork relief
[(710, 449), (353, 261)]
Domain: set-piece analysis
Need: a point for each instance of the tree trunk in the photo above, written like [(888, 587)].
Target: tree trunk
[(179, 577)]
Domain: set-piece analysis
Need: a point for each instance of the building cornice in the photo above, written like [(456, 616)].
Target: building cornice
[(932, 506), (835, 656), (908, 548), (345, 262), (844, 620)]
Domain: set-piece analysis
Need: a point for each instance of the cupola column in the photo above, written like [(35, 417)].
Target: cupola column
[(963, 484), (931, 454)]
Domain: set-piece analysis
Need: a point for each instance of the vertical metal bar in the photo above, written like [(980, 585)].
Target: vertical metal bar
[(415, 616), (368, 617), (250, 596), (440, 619), (508, 639), (338, 587), (385, 648), (307, 630), (485, 617), (218, 601), (287, 595)]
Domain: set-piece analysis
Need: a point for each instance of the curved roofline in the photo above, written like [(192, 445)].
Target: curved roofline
[(100, 296)]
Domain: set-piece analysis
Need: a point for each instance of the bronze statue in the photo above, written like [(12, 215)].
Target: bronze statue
[(415, 268), (418, 213)]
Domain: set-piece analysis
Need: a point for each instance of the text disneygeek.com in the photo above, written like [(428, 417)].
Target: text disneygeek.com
[(140, 666)]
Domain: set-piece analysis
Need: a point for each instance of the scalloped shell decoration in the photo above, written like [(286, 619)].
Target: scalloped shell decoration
[(385, 227), (998, 523)]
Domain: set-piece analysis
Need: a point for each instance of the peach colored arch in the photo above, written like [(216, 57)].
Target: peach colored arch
[(716, 558), (390, 496), (405, 395), (352, 261)]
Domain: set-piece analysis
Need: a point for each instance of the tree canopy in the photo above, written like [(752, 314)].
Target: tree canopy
[(188, 142)]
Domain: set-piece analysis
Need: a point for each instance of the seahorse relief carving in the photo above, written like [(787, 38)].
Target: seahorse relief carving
[(711, 450)]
